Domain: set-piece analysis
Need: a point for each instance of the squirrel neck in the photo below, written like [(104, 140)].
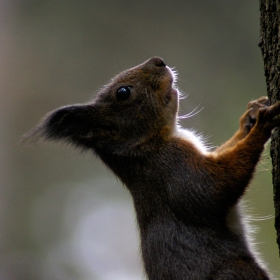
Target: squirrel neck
[(151, 175)]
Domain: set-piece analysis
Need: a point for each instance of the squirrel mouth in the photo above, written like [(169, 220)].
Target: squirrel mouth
[(173, 76), (173, 91), (172, 94), (169, 83)]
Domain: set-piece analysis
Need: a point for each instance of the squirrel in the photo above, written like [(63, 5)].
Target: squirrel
[(186, 197)]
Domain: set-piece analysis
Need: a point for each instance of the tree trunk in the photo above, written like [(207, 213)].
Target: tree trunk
[(270, 47)]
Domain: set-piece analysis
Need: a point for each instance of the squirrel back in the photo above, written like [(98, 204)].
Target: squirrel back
[(185, 197)]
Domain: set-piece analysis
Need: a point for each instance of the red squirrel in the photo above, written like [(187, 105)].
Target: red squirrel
[(185, 196)]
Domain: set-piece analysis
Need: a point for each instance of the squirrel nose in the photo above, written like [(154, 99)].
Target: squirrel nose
[(156, 61), (159, 62)]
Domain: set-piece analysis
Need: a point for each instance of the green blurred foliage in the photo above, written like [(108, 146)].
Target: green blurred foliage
[(53, 53)]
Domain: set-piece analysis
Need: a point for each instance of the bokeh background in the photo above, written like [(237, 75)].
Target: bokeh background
[(63, 215)]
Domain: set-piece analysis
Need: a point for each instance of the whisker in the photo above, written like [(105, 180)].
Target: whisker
[(262, 218), (192, 113), (183, 95)]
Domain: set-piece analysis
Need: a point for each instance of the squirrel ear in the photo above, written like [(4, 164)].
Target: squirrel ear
[(70, 123)]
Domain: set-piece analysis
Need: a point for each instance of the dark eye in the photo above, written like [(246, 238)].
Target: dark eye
[(123, 93)]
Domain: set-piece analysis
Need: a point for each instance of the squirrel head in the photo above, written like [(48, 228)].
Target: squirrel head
[(137, 105)]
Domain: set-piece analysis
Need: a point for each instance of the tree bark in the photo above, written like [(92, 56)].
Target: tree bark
[(270, 47)]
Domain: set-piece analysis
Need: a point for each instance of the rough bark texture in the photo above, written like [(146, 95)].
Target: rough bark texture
[(270, 47)]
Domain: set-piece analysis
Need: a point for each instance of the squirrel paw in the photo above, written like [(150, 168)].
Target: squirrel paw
[(248, 120), (268, 117)]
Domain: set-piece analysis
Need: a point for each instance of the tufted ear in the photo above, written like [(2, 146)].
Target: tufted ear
[(70, 123)]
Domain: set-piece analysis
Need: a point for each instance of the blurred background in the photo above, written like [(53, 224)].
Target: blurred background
[(63, 215)]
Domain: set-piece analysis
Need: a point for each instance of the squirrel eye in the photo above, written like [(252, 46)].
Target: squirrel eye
[(123, 93)]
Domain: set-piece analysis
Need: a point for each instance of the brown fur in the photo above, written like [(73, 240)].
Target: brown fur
[(182, 193)]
